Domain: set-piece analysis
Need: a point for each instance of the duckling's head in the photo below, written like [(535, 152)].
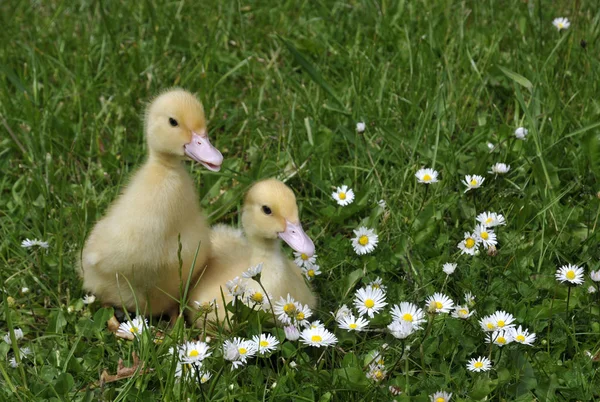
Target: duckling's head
[(270, 212), (176, 127)]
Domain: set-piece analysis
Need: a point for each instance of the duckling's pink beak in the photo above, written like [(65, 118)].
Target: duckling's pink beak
[(201, 150), (295, 237)]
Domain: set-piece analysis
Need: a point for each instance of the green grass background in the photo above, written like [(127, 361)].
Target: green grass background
[(284, 84)]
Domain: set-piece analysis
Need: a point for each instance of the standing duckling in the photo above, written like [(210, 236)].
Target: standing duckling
[(130, 258), (269, 214)]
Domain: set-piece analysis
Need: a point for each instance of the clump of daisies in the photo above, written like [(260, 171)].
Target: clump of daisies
[(365, 241), (238, 351), (482, 235), (561, 23), (343, 195), (427, 176), (290, 312)]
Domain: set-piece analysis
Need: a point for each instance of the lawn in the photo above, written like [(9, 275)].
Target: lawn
[(439, 84)]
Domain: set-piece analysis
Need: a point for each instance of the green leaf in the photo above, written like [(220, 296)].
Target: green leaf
[(518, 78), (64, 383), (352, 279), (482, 388)]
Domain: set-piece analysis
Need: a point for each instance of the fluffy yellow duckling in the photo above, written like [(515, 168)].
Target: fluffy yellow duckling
[(269, 214), (130, 258)]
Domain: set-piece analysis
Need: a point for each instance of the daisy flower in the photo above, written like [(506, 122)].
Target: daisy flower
[(236, 287), (204, 377), (561, 23), (369, 301), (382, 204), (303, 313), (343, 195), (449, 268), (133, 328), (521, 133), (257, 298), (35, 242), (427, 176), (439, 303), (365, 240), (409, 313), (469, 245), (482, 363), (401, 329), (291, 333), (376, 372), (311, 271), (193, 352), (490, 146), (238, 351), (317, 337), (285, 309), (314, 324), (302, 260), (522, 335), (206, 307), (473, 181), (462, 312), (342, 312), (18, 332), (595, 276), (88, 299), (591, 289), (488, 323), (253, 272), (469, 299), (351, 323), (490, 219), (377, 284), (503, 320), (571, 274), (360, 127), (266, 343), (486, 236), (440, 396), (24, 290), (500, 168), (499, 338), (395, 390)]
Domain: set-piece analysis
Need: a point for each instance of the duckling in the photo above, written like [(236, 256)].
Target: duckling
[(130, 258), (269, 214)]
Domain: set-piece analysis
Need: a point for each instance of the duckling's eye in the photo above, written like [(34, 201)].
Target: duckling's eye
[(173, 122), (266, 210)]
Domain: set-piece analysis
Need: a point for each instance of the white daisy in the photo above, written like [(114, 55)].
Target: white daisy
[(369, 301), (522, 335), (303, 313), (595, 276), (18, 332), (482, 363), (365, 240), (490, 146), (206, 307), (317, 337), (35, 242), (302, 260), (401, 329), (488, 323), (291, 333), (499, 338), (395, 390), (238, 351), (449, 268), (193, 352), (24, 290), (503, 320), (440, 396), (285, 309), (360, 127), (377, 284), (561, 23), (236, 287), (491, 219), (343, 195), (266, 343), (253, 272), (427, 176), (88, 299), (571, 274), (204, 377), (469, 245), (473, 181), (500, 168), (12, 362), (409, 313), (376, 372), (342, 312), (351, 323), (521, 133), (257, 298), (469, 299), (439, 303), (591, 289), (314, 324), (311, 271), (133, 328), (382, 204), (462, 312), (486, 236)]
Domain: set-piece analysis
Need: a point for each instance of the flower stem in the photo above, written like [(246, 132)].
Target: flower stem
[(568, 299)]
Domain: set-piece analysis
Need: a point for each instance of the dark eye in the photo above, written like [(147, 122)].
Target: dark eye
[(173, 122), (266, 210)]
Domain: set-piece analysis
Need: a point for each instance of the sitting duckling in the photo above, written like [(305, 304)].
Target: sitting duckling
[(130, 258), (270, 213)]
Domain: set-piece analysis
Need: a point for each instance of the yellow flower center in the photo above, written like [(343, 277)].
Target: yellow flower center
[(300, 316), (478, 365), (203, 379), (520, 338), (473, 182), (316, 338), (304, 256), (264, 344), (133, 330), (501, 340), (363, 240), (311, 273), (463, 312), (485, 235), (242, 351), (407, 317), (490, 325), (440, 399), (369, 303), (438, 305), (570, 275), (470, 242), (500, 323), (353, 326), (378, 375), (561, 25), (289, 308), (426, 177), (257, 297), (193, 353), (489, 220), (342, 196)]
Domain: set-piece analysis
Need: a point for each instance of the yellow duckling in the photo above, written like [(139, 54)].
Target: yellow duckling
[(269, 214), (130, 258)]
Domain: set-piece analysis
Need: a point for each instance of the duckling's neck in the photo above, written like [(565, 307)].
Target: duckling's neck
[(264, 247), (164, 160)]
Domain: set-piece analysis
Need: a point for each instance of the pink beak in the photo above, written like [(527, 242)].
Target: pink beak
[(201, 150), (295, 237)]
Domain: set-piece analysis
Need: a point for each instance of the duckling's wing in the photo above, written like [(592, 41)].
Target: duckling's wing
[(228, 243)]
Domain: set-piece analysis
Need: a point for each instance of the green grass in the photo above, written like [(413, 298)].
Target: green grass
[(284, 85)]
